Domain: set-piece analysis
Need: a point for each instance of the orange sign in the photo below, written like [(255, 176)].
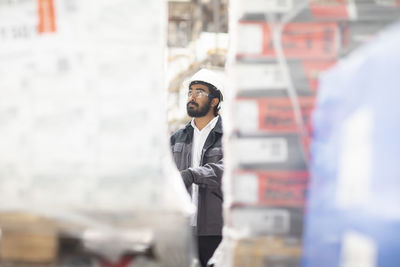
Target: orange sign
[(46, 16)]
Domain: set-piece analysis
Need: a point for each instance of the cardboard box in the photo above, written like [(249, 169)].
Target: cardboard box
[(27, 238), (266, 252)]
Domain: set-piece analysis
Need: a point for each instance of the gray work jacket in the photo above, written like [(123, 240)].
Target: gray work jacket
[(207, 176)]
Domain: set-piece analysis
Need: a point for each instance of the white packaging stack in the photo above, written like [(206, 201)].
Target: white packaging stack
[(83, 127)]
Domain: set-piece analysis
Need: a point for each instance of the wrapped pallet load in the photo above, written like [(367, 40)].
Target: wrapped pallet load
[(86, 176), (353, 216)]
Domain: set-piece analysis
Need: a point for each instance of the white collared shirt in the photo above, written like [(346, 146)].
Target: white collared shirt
[(199, 139)]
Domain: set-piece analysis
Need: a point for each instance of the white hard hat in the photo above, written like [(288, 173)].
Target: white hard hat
[(210, 77)]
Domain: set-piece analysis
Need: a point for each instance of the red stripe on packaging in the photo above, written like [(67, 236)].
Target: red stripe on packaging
[(333, 9), (277, 115), (46, 12)]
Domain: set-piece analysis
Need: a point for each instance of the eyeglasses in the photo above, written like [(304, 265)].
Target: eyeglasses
[(197, 93)]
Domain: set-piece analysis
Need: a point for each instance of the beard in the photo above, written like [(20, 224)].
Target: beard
[(200, 112)]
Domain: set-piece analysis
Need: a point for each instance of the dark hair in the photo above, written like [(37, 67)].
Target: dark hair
[(214, 93)]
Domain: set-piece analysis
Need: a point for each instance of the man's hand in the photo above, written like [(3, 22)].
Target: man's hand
[(187, 178)]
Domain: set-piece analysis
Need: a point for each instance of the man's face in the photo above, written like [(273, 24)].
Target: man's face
[(198, 106)]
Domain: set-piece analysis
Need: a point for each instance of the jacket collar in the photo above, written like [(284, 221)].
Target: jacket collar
[(217, 128)]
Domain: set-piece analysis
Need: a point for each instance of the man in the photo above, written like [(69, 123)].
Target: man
[(197, 150)]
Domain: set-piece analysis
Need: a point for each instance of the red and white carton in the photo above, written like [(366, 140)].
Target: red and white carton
[(270, 188), (305, 40), (277, 115), (278, 151), (261, 221), (272, 115), (260, 150), (266, 76)]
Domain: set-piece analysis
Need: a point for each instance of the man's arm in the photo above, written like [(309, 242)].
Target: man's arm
[(209, 175)]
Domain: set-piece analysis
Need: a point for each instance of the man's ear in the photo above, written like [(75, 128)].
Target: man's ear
[(214, 102)]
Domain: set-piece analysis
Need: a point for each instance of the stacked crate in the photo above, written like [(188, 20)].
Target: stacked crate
[(268, 176), (269, 146)]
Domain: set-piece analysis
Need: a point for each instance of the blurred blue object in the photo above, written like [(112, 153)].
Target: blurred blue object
[(353, 214)]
